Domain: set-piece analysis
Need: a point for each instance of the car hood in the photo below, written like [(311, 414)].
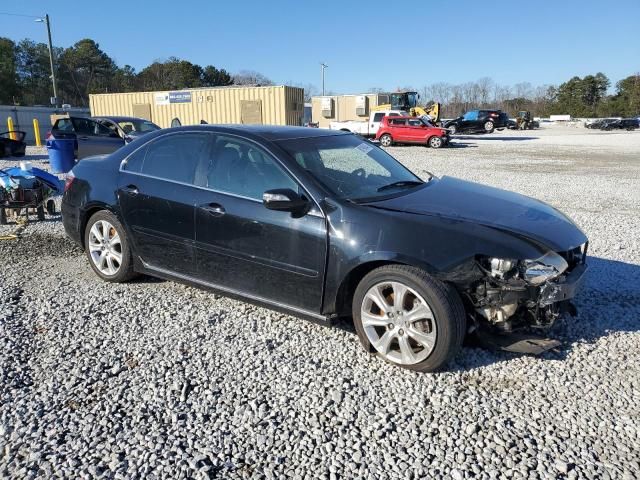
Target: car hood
[(471, 202)]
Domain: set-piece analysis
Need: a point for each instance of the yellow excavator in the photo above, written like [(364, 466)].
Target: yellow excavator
[(408, 101)]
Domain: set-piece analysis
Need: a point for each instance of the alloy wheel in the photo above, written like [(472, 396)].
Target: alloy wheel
[(398, 323), (105, 247), (385, 140)]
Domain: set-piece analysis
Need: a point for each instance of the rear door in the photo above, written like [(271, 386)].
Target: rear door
[(399, 129), (94, 138), (157, 194)]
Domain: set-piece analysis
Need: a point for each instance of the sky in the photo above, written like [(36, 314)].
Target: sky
[(365, 44)]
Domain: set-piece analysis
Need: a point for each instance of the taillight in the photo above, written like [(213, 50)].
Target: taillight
[(48, 135), (68, 181)]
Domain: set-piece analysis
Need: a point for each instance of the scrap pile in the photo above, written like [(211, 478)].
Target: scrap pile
[(23, 188)]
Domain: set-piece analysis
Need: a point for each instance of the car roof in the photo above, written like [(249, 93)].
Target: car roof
[(265, 132), (118, 119)]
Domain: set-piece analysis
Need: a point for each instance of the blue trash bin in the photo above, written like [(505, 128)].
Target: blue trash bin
[(61, 154)]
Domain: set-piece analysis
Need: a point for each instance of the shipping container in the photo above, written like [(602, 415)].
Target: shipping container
[(272, 105), (342, 108)]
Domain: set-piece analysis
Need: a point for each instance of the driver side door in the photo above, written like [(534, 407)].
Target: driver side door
[(247, 249)]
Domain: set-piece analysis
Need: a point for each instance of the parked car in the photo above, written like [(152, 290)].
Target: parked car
[(324, 224), (478, 121), (628, 124), (411, 130), (12, 144), (98, 135)]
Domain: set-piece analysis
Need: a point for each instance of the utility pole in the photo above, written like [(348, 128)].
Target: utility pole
[(323, 66), (53, 74)]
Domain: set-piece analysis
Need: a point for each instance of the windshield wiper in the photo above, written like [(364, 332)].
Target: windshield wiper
[(401, 183)]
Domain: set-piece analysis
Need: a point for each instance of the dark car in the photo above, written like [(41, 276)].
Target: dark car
[(98, 135), (324, 224), (12, 144), (478, 121)]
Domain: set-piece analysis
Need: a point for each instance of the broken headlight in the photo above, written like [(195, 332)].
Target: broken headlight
[(538, 271)]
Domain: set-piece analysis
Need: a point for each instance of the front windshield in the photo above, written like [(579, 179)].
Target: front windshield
[(350, 167), (137, 126)]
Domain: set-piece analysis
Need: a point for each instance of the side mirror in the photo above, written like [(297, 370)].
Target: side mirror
[(284, 199)]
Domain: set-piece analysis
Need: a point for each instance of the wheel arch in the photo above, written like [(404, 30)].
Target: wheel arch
[(90, 211), (350, 281)]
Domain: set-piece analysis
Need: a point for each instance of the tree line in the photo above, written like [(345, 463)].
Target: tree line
[(579, 97), (84, 68)]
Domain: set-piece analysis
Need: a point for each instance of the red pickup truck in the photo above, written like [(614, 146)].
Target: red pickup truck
[(411, 130)]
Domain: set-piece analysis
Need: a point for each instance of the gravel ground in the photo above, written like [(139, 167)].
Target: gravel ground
[(154, 379)]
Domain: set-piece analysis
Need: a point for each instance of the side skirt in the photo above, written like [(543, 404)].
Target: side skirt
[(235, 294)]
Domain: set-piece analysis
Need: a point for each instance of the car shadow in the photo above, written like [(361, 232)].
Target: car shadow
[(492, 137), (608, 303), (453, 144)]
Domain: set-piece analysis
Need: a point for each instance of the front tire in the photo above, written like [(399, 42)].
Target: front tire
[(435, 142), (453, 129), (386, 140), (408, 318), (108, 248)]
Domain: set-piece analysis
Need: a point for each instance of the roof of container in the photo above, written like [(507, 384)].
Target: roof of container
[(197, 89)]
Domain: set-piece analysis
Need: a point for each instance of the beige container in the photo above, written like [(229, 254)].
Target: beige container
[(273, 105), (342, 108)]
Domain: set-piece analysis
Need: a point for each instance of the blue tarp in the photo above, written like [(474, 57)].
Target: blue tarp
[(15, 177)]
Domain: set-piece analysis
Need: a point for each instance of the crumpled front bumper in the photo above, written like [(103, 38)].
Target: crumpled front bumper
[(564, 288)]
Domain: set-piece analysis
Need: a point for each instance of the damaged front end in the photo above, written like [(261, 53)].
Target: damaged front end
[(514, 294)]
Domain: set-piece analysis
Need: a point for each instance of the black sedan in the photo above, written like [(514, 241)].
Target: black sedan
[(324, 224), (478, 121)]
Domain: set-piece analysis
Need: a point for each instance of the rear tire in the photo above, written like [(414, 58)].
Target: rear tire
[(107, 248), (419, 323), (3, 216), (488, 126), (386, 140), (40, 212), (435, 142)]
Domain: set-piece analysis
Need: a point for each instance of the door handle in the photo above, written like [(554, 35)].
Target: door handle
[(84, 138), (132, 189), (214, 209)]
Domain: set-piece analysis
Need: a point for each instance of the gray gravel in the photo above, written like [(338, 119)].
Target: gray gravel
[(154, 379)]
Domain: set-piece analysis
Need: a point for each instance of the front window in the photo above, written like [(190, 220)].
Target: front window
[(351, 168), (472, 115)]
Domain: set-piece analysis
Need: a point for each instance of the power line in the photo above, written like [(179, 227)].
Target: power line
[(20, 15)]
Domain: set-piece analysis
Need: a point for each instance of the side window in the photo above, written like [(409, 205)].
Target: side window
[(64, 124), (172, 157), (242, 168), (377, 117), (472, 115), (414, 122), (84, 126), (398, 122)]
